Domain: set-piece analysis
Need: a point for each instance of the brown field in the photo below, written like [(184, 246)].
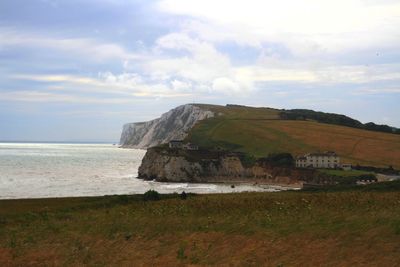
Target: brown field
[(248, 229), (259, 137), (354, 145)]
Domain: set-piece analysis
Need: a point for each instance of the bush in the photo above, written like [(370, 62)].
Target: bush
[(247, 160), (151, 195), (183, 195), (122, 199), (352, 180), (279, 159)]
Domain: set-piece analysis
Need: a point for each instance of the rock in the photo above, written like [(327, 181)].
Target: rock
[(174, 124), (162, 164), (179, 165)]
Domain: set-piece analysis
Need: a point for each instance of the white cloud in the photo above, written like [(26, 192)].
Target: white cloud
[(127, 84), (200, 61), (188, 61), (303, 26), (323, 74), (124, 79), (373, 91), (89, 48), (225, 85), (178, 85), (48, 97), (39, 96)]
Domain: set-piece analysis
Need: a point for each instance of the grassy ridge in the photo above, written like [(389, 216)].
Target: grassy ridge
[(259, 131), (252, 229)]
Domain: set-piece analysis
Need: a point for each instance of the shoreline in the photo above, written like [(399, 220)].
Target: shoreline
[(258, 183)]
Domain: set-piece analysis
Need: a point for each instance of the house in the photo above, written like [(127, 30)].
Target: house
[(301, 161), (329, 160), (190, 146), (176, 144), (346, 167)]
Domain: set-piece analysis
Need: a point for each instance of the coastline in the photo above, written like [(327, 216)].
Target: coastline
[(171, 188), (247, 182), (57, 171)]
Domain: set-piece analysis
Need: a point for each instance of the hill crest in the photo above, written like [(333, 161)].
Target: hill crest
[(261, 131)]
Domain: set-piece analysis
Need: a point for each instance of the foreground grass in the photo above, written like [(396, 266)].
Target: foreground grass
[(273, 229)]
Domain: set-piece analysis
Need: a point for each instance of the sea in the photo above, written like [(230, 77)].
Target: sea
[(44, 170)]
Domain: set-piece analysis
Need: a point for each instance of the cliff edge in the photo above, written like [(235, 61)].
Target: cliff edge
[(175, 165), (174, 124)]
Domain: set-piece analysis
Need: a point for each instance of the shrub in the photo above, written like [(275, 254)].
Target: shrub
[(247, 160), (279, 159), (183, 195), (122, 199), (151, 195)]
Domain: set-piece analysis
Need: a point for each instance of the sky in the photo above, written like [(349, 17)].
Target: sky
[(77, 70)]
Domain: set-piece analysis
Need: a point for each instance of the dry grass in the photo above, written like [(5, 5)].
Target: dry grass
[(248, 229), (260, 137), (354, 145)]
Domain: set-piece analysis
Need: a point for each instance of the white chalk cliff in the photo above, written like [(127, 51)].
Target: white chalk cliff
[(175, 124)]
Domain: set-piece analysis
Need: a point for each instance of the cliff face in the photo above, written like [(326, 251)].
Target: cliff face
[(162, 164), (171, 125)]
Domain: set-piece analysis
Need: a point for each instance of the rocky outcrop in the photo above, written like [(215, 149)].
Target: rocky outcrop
[(174, 124), (162, 164)]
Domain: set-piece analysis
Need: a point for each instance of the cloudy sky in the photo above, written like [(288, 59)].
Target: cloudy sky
[(77, 70)]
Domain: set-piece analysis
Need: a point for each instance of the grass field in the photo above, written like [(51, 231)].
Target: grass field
[(259, 131), (249, 229)]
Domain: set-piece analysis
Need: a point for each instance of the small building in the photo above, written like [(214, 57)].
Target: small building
[(346, 167), (176, 144), (179, 144), (329, 160), (190, 146)]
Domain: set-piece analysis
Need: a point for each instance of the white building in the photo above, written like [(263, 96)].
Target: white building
[(346, 167), (327, 160), (176, 144)]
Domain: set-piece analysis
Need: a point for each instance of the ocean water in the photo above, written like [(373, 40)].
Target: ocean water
[(36, 170)]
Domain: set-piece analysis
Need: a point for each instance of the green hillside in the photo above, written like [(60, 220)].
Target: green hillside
[(261, 131)]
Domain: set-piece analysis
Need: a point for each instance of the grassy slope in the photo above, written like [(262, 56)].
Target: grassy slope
[(251, 229), (259, 131)]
